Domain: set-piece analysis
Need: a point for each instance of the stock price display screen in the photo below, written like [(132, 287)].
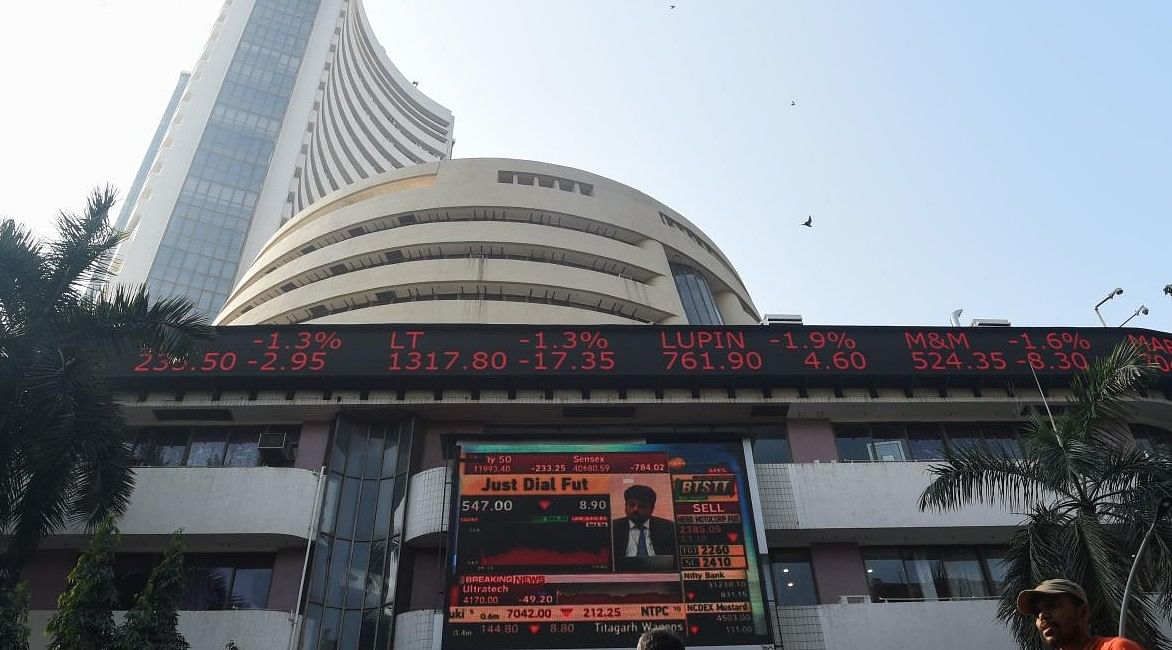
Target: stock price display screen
[(449, 351), (588, 546)]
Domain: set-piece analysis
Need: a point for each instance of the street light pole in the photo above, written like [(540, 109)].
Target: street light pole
[(1161, 512), (1117, 291)]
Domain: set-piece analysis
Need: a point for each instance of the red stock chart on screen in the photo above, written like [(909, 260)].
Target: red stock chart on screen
[(557, 546)]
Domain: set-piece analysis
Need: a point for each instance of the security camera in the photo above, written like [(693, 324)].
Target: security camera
[(1119, 291), (1143, 310)]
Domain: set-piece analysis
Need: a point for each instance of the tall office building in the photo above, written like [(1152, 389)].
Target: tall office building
[(290, 100)]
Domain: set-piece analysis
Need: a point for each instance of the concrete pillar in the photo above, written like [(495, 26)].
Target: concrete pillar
[(665, 282), (45, 575), (311, 447), (811, 441), (838, 571), (731, 310), (287, 568)]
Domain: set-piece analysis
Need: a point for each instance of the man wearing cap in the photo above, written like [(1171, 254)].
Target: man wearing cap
[(1063, 617)]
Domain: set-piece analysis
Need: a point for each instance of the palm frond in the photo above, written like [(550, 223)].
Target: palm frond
[(1096, 563), (22, 274), (981, 476), (1034, 554), (1098, 407), (128, 318), (83, 245)]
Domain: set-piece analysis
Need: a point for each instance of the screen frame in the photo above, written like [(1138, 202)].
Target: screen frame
[(458, 445)]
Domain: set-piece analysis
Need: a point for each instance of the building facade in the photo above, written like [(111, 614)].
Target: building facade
[(290, 100), (316, 496), (489, 241)]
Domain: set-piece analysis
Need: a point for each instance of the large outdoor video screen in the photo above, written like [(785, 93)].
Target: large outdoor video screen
[(588, 546)]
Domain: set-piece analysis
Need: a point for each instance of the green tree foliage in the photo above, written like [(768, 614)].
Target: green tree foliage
[(14, 617), (62, 452), (153, 622), (1088, 493), (83, 620)]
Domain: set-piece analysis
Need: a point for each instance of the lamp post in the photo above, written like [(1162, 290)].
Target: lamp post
[(1141, 310), (1161, 512), (1117, 291)]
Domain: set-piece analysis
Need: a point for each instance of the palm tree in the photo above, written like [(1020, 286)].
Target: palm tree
[(1088, 494), (63, 456)]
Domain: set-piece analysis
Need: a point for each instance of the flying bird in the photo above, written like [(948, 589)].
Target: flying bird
[(414, 83), (809, 223), (793, 102), (672, 7)]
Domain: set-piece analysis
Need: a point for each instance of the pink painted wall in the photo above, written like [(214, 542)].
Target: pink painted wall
[(811, 440), (286, 578), (45, 576), (311, 448), (838, 571)]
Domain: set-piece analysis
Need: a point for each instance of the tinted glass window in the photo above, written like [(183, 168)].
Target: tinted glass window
[(1003, 440), (793, 578), (207, 448), (933, 573), (170, 447), (888, 576), (854, 442), (250, 588), (772, 450), (208, 587), (963, 576), (242, 451), (964, 437), (888, 443), (925, 442)]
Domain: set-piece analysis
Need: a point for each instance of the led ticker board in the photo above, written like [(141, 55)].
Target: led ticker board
[(588, 546), (402, 352)]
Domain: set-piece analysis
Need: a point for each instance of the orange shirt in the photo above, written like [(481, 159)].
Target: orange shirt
[(1113, 643)]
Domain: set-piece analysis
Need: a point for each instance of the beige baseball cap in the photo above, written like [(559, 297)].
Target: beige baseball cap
[(1027, 601)]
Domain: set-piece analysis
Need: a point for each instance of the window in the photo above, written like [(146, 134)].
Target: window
[(201, 446), (933, 573), (887, 442), (214, 581), (793, 577), (696, 296), (772, 449)]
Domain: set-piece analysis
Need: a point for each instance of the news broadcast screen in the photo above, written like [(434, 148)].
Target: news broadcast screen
[(588, 546)]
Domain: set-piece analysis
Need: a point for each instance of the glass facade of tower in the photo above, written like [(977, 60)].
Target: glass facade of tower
[(201, 247), (352, 578)]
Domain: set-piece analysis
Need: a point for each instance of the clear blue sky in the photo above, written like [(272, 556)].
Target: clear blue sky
[(1010, 158)]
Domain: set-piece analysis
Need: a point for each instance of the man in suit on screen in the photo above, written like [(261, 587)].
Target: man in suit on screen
[(642, 541)]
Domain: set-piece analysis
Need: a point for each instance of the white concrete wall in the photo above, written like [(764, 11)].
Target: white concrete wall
[(220, 501), (611, 230), (956, 625), (429, 496), (858, 496), (251, 629), (415, 630)]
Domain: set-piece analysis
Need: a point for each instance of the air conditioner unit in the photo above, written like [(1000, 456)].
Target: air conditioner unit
[(990, 322), (275, 448), (781, 319)]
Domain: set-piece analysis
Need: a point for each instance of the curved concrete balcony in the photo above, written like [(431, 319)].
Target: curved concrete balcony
[(875, 503), (269, 505), (251, 629), (428, 499)]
